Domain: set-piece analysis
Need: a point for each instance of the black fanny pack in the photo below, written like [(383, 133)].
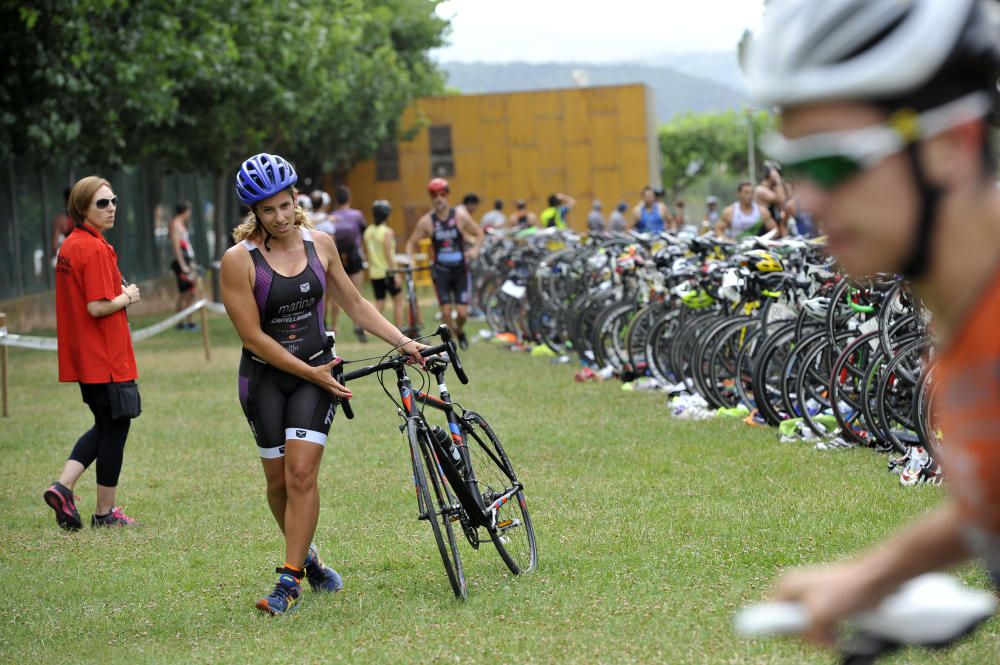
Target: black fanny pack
[(124, 399)]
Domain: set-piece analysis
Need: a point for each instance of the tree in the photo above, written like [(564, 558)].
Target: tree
[(696, 144), (202, 84), (82, 78)]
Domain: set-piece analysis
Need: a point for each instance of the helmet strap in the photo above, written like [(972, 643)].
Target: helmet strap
[(918, 261), (267, 234)]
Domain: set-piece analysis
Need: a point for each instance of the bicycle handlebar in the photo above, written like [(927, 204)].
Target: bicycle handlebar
[(932, 610), (447, 347)]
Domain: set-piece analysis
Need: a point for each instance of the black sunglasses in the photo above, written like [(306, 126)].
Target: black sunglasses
[(103, 203)]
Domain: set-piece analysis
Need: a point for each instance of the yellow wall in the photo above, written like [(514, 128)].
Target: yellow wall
[(585, 142)]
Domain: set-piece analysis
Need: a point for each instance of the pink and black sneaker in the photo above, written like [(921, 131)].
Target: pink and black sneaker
[(60, 499), (115, 518)]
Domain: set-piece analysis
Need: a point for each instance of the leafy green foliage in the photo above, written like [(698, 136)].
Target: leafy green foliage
[(698, 144), (201, 84)]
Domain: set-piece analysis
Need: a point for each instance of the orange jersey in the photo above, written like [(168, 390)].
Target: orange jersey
[(91, 349), (968, 377)]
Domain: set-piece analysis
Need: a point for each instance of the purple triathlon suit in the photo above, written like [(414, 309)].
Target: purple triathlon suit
[(278, 405)]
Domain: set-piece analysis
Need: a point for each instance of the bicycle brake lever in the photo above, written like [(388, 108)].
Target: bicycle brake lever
[(452, 352), (345, 404)]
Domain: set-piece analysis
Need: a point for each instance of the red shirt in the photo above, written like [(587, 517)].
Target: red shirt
[(91, 349), (969, 412)]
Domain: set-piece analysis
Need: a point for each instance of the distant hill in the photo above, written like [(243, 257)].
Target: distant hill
[(676, 92), (722, 66)]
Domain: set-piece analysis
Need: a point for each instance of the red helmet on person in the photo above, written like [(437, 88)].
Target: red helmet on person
[(437, 186)]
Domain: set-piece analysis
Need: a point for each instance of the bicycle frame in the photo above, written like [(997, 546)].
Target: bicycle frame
[(444, 467), (458, 473)]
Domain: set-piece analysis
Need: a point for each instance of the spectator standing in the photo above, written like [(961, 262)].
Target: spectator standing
[(772, 193), (323, 221), (62, 226), (320, 215), (745, 218), (800, 221), (711, 214), (595, 219), (95, 351), (555, 214), (650, 215), (617, 223), (380, 245), (523, 218), (183, 265), (469, 204), (494, 219), (681, 222), (349, 225)]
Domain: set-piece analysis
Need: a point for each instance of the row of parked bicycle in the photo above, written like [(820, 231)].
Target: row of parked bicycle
[(769, 325)]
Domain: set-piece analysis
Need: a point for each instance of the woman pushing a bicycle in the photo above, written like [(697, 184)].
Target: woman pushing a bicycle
[(273, 283)]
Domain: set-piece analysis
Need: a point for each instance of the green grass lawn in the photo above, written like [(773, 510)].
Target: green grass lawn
[(651, 532)]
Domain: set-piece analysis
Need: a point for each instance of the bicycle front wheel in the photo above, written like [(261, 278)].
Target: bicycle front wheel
[(508, 521), (436, 506)]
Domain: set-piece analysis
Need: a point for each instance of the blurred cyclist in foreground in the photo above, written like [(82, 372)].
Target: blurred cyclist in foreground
[(885, 126)]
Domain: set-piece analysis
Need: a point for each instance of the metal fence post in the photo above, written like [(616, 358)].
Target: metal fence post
[(204, 322), (3, 367)]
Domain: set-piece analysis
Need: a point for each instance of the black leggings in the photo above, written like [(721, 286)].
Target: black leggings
[(105, 441)]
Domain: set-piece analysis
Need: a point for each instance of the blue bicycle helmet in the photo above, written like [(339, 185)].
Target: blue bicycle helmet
[(263, 176)]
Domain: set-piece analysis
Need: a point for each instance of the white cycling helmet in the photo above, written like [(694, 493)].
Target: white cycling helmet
[(909, 56), (817, 307), (809, 51)]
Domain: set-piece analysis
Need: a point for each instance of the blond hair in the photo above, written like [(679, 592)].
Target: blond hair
[(250, 227), (82, 195)]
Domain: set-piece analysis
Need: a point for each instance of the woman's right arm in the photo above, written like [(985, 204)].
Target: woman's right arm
[(237, 295)]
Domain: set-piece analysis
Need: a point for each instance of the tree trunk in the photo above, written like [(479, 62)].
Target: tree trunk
[(220, 221), (46, 232), (17, 272)]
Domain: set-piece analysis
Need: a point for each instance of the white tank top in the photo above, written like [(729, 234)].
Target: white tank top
[(743, 222)]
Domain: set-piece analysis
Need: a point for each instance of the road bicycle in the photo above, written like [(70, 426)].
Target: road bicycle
[(462, 475)]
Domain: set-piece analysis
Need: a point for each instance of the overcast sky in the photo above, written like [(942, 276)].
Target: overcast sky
[(592, 30)]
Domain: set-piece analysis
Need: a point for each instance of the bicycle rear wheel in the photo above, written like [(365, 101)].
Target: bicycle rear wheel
[(509, 523), (436, 506)]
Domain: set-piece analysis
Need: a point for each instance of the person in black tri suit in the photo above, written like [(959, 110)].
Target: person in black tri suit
[(456, 239), (273, 285)]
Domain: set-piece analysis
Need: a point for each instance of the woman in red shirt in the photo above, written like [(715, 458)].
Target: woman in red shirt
[(95, 350)]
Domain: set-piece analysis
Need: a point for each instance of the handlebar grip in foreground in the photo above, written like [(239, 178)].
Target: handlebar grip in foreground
[(771, 619), (933, 609), (452, 352)]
